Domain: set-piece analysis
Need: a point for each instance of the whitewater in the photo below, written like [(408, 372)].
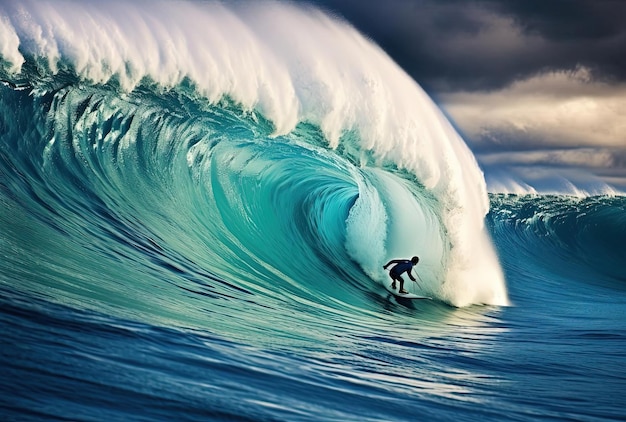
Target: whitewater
[(197, 202)]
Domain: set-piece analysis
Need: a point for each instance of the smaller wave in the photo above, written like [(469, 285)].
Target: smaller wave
[(579, 238), (578, 183)]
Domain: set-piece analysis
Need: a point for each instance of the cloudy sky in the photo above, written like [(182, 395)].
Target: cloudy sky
[(536, 87)]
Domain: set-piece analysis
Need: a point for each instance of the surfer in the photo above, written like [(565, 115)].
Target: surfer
[(402, 265)]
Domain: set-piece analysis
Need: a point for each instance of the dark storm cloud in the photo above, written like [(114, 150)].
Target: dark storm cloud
[(567, 19), (459, 45), (591, 33)]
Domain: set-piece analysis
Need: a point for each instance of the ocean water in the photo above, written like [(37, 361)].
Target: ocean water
[(196, 203)]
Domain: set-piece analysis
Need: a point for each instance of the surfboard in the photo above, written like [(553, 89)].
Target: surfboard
[(405, 295)]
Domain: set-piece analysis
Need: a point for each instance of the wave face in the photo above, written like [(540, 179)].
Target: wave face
[(229, 152)]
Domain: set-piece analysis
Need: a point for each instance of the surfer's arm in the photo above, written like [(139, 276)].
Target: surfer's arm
[(393, 261), (411, 275)]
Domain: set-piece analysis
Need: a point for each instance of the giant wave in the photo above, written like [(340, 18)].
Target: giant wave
[(175, 158)]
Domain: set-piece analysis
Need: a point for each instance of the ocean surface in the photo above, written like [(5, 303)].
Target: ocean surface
[(196, 202)]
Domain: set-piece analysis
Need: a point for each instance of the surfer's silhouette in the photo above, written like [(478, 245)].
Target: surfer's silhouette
[(402, 265)]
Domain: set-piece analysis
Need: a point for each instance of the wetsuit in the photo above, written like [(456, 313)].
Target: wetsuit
[(402, 265)]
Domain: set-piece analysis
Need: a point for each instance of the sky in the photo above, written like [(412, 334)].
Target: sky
[(536, 88)]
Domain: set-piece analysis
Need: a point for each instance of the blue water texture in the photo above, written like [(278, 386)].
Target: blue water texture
[(172, 249)]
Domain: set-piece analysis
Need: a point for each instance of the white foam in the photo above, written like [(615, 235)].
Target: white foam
[(366, 230), (9, 43)]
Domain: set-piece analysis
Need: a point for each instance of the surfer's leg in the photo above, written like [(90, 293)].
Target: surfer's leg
[(401, 280), (394, 278)]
